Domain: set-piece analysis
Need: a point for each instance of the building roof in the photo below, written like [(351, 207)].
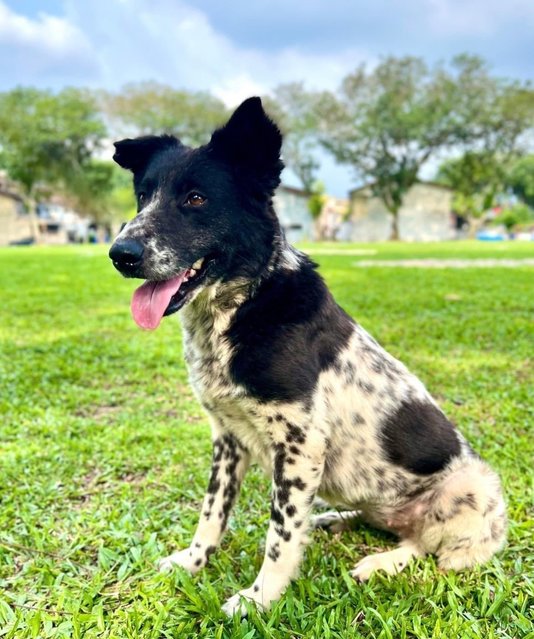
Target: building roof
[(11, 195), (431, 183), (293, 189)]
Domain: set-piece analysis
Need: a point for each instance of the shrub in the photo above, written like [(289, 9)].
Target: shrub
[(520, 214)]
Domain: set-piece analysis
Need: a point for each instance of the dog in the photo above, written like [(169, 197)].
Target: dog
[(287, 378)]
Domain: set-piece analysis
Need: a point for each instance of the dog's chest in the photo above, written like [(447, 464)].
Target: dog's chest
[(208, 353)]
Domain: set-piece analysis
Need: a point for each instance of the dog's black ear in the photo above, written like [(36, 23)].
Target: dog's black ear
[(134, 154), (250, 139)]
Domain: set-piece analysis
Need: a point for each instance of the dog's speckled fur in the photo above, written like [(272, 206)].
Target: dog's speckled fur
[(290, 381)]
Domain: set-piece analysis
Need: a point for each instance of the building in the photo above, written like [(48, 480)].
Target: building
[(424, 216), (54, 222), (15, 223), (291, 205), (57, 223), (60, 224), (333, 218)]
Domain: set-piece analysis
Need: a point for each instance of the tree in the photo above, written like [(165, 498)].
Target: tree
[(152, 108), (294, 110), (521, 179), (121, 202), (47, 140), (515, 217), (105, 193), (90, 190), (316, 200), (476, 178), (386, 123)]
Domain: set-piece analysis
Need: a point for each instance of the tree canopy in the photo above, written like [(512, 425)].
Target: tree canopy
[(521, 179), (385, 122), (388, 121), (152, 108), (295, 112), (476, 178), (48, 139)]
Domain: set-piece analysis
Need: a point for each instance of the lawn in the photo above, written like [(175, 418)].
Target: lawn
[(104, 456)]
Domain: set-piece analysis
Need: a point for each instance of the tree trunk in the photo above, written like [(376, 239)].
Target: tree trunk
[(34, 221), (475, 224), (394, 235)]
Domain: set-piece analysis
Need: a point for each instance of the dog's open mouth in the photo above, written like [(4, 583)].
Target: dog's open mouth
[(153, 300)]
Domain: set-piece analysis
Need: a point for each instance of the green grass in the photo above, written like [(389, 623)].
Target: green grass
[(104, 455)]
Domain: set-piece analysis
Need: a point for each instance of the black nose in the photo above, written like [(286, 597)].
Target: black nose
[(127, 256)]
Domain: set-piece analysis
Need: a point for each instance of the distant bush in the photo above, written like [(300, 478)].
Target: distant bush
[(517, 216), (316, 200)]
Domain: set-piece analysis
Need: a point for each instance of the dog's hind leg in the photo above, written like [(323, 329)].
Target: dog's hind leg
[(461, 520), (229, 464), (466, 520), (319, 502), (335, 520)]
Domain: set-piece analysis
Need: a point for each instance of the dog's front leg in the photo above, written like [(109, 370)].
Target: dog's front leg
[(229, 465), (297, 471)]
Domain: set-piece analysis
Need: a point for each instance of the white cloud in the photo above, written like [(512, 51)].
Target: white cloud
[(175, 43), (53, 33), (475, 17)]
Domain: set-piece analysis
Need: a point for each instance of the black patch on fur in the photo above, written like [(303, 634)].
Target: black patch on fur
[(291, 510), (357, 419), (210, 550), (286, 334), (277, 516), (274, 551), (214, 484), (497, 528), (468, 499), (366, 387), (295, 434), (419, 437), (226, 450), (251, 141), (282, 532), (135, 154), (492, 504)]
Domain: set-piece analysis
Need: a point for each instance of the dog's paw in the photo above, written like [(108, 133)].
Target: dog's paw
[(184, 558), (365, 568), (236, 605), (391, 562)]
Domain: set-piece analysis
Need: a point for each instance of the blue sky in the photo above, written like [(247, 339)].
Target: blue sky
[(243, 47)]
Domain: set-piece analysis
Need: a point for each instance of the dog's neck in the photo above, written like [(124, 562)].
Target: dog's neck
[(226, 297), (284, 256)]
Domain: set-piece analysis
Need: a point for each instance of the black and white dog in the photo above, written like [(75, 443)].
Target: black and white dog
[(287, 378)]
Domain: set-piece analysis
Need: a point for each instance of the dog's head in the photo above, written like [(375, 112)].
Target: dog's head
[(204, 215)]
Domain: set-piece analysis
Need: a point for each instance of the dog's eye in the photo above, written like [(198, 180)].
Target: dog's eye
[(141, 198), (195, 199)]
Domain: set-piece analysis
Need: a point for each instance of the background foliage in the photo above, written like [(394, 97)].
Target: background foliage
[(385, 123)]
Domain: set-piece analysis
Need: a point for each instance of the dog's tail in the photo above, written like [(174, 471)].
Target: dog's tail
[(465, 523)]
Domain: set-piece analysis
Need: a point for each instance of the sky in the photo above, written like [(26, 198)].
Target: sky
[(244, 47)]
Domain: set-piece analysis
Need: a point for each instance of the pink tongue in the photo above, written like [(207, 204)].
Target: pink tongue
[(151, 299)]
